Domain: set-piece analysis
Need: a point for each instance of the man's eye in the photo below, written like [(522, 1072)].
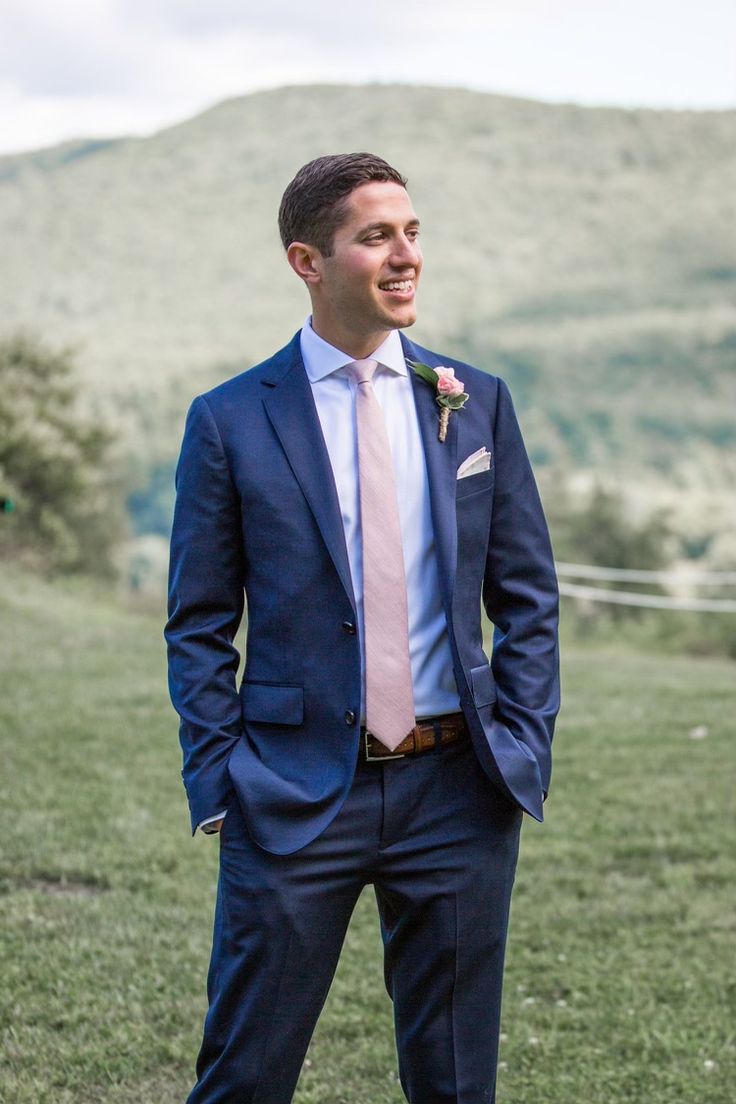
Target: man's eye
[(375, 238)]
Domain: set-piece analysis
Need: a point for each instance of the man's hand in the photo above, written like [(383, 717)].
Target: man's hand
[(212, 827)]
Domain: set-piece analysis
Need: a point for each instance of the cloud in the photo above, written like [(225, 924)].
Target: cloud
[(110, 66), (313, 23)]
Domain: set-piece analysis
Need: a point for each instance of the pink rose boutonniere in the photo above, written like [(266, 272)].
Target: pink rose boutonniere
[(450, 392)]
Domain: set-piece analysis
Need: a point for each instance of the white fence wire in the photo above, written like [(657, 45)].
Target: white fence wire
[(569, 589), (630, 575)]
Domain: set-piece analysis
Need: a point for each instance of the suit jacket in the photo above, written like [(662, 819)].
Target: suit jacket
[(257, 517)]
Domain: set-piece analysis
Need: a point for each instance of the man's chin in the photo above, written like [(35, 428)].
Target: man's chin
[(403, 319)]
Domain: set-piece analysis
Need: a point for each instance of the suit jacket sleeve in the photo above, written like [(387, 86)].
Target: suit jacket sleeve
[(520, 596), (205, 609)]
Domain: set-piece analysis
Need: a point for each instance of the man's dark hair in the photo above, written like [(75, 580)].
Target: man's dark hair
[(315, 203)]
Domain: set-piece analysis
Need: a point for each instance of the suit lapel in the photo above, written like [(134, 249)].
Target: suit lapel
[(290, 407), (441, 460)]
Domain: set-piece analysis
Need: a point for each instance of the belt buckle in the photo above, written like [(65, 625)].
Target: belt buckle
[(378, 758)]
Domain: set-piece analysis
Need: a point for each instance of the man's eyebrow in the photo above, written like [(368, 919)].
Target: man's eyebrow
[(413, 223)]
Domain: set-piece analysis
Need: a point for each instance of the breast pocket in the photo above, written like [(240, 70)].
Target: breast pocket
[(475, 484)]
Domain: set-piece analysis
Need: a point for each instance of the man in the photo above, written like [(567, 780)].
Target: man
[(365, 509)]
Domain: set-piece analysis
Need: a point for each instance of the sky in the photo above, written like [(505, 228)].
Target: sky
[(99, 68)]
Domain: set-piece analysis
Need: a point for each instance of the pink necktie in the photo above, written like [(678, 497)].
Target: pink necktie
[(389, 704)]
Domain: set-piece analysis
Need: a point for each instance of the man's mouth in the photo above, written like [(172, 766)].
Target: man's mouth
[(397, 285)]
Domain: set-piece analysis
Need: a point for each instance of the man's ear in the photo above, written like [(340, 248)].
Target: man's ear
[(304, 259)]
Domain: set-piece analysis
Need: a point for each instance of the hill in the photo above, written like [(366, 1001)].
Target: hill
[(588, 255)]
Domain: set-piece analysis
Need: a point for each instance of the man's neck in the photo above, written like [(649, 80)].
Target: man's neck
[(358, 346)]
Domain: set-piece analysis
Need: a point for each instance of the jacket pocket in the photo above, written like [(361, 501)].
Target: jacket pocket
[(474, 484), (269, 704), (484, 686)]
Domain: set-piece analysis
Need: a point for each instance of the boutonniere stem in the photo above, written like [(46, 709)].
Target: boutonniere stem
[(449, 392)]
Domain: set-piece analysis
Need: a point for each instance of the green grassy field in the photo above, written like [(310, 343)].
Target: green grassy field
[(620, 984)]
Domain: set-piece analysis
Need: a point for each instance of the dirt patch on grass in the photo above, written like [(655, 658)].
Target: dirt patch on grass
[(64, 885)]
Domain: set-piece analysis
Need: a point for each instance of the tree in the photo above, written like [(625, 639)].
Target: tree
[(66, 512), (599, 530), (603, 533)]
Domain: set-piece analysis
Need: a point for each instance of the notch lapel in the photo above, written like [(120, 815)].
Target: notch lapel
[(291, 409), (441, 460)]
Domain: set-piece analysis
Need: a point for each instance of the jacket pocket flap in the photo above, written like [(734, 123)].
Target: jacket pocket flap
[(262, 701), (484, 687)]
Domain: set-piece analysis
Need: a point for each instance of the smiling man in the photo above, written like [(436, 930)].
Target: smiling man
[(364, 496)]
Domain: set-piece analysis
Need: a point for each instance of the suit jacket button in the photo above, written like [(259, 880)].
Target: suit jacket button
[(349, 717), (349, 627)]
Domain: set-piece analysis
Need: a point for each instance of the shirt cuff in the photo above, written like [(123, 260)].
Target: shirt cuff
[(209, 820)]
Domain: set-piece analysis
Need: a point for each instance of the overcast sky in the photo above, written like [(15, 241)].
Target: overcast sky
[(72, 68)]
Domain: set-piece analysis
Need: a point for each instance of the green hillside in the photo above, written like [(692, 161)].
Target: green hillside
[(588, 255)]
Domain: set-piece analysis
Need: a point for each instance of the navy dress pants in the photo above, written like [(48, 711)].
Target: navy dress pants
[(439, 844)]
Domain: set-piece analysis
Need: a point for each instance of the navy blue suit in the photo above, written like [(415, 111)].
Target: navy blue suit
[(257, 515)]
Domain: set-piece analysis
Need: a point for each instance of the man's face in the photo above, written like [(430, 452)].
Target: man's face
[(367, 286)]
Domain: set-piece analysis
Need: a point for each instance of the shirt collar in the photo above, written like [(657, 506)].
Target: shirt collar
[(322, 359)]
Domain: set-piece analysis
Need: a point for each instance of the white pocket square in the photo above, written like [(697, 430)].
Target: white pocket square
[(478, 461)]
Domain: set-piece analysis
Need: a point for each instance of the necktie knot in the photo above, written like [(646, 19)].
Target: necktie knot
[(362, 370)]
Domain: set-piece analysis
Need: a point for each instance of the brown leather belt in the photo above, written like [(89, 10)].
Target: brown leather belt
[(428, 733)]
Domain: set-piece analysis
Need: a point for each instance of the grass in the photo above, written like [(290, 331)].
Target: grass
[(619, 985)]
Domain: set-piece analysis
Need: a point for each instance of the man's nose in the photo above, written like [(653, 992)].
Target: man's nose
[(406, 253)]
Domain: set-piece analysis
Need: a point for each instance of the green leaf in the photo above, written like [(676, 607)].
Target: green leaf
[(452, 402), (455, 402), (424, 372)]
